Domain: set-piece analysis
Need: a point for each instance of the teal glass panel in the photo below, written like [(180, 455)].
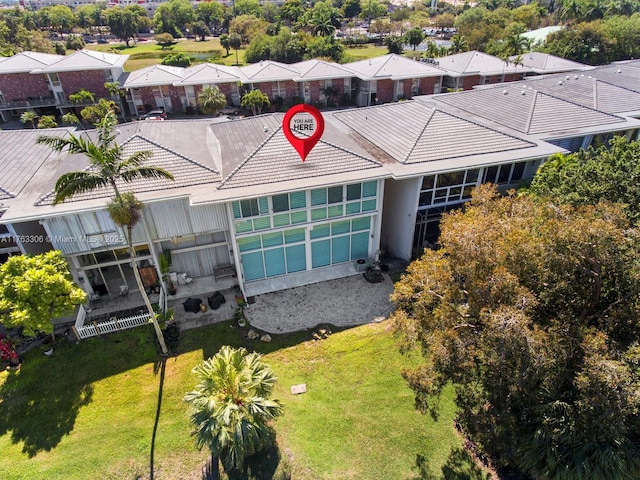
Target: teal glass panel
[(297, 200), (281, 220), (320, 231), (244, 226), (319, 197), (249, 243), (369, 189), (274, 262), (353, 191), (320, 253), (264, 206), (335, 211), (294, 235), (296, 260), (340, 249), (340, 227), (261, 223), (280, 203), (368, 205), (359, 245), (272, 239), (318, 214), (299, 217), (252, 265), (334, 194), (360, 224), (236, 209), (353, 208)]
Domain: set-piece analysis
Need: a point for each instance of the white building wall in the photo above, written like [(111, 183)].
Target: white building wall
[(399, 216)]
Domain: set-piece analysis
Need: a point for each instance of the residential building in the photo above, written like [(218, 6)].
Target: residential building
[(392, 77)]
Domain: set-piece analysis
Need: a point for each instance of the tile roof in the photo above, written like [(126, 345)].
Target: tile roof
[(478, 63), (27, 61), (276, 161), (154, 75), (546, 63), (85, 60), (527, 110), (588, 91), (267, 71), (185, 171), (622, 75), (320, 70), (22, 158), (209, 73), (421, 133), (393, 67)]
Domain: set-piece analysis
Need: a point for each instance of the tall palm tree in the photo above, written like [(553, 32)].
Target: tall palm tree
[(108, 169), (458, 44), (230, 409), (211, 100), (30, 116)]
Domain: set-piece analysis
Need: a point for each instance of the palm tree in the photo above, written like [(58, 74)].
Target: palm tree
[(30, 116), (458, 44), (230, 409), (117, 94), (108, 169), (211, 100)]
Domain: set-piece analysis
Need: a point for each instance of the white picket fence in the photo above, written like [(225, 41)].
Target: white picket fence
[(113, 325)]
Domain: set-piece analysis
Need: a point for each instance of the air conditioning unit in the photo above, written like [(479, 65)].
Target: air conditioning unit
[(361, 265)]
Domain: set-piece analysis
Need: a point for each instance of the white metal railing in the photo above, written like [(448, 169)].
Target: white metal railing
[(113, 325)]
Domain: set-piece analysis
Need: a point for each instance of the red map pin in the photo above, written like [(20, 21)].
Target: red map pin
[(309, 129)]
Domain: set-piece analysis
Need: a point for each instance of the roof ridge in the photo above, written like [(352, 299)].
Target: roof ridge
[(532, 110), (194, 162), (419, 136)]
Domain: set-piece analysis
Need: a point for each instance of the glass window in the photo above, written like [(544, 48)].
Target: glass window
[(505, 171), (281, 220), (320, 231), (518, 172), (320, 253), (272, 239), (319, 197), (361, 224), (249, 243), (249, 208), (261, 223), (340, 249), (299, 217), (369, 205), (297, 200), (335, 211), (427, 182), (452, 178), (354, 191), (370, 189), (334, 194), (318, 213), (274, 262), (252, 265), (295, 235), (353, 208), (340, 227), (490, 175), (472, 175), (280, 203), (296, 258)]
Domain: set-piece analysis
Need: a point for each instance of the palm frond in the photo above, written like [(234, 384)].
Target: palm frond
[(137, 159), (145, 172), (73, 183)]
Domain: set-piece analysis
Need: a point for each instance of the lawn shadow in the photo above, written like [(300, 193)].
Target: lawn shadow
[(461, 465), (41, 401), (162, 369)]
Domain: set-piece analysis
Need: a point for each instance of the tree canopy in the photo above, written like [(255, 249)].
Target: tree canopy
[(255, 100), (36, 289), (608, 172), (531, 309)]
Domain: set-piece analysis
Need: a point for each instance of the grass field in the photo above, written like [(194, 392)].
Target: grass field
[(108, 408), (145, 54)]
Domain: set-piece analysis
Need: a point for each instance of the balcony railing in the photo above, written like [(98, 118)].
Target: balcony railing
[(30, 103)]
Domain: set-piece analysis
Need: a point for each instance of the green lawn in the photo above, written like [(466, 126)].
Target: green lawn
[(89, 411), (145, 54)]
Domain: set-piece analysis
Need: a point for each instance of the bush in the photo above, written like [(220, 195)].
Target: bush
[(172, 336), (74, 42), (177, 60)]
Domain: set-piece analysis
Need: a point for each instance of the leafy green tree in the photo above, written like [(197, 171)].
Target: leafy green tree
[(124, 23), (211, 100), (230, 408), (325, 47), (96, 112), (62, 18), (530, 309), (30, 116), (458, 44), (225, 42), (74, 42), (85, 15), (177, 60), (35, 289), (394, 43), (586, 43), (200, 29), (606, 173), (247, 27), (70, 119), (109, 169), (291, 11), (117, 94), (414, 37), (255, 100), (247, 7), (173, 17), (164, 39), (235, 41), (81, 97), (47, 121), (351, 8), (211, 13)]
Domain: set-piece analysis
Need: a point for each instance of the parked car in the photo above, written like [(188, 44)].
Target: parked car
[(158, 114), (230, 110)]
